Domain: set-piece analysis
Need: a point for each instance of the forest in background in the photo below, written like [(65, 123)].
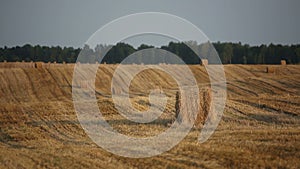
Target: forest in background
[(230, 53)]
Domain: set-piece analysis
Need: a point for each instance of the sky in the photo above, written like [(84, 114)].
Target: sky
[(72, 22)]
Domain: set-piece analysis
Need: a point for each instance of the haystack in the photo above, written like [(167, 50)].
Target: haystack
[(205, 112), (204, 62), (38, 65), (270, 69), (177, 104), (204, 104)]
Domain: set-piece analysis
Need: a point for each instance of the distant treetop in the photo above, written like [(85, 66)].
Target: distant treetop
[(229, 53)]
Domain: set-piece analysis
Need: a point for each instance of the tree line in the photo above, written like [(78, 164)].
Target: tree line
[(230, 53)]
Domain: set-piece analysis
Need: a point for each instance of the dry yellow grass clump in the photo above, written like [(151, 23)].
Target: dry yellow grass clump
[(283, 62)]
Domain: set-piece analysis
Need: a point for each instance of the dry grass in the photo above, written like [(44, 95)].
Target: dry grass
[(260, 127)]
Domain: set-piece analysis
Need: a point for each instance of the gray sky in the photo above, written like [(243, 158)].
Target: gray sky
[(72, 22)]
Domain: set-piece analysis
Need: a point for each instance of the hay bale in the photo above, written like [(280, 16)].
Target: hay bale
[(177, 104), (270, 69), (204, 104), (204, 62), (38, 65), (283, 62)]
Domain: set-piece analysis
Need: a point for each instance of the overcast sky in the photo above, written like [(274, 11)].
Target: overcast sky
[(72, 22)]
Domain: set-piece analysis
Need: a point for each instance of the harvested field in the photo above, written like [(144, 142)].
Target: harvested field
[(260, 127)]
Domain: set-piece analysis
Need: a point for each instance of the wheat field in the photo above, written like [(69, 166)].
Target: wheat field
[(260, 127)]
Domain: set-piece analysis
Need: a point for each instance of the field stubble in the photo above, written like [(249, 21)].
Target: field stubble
[(259, 129)]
